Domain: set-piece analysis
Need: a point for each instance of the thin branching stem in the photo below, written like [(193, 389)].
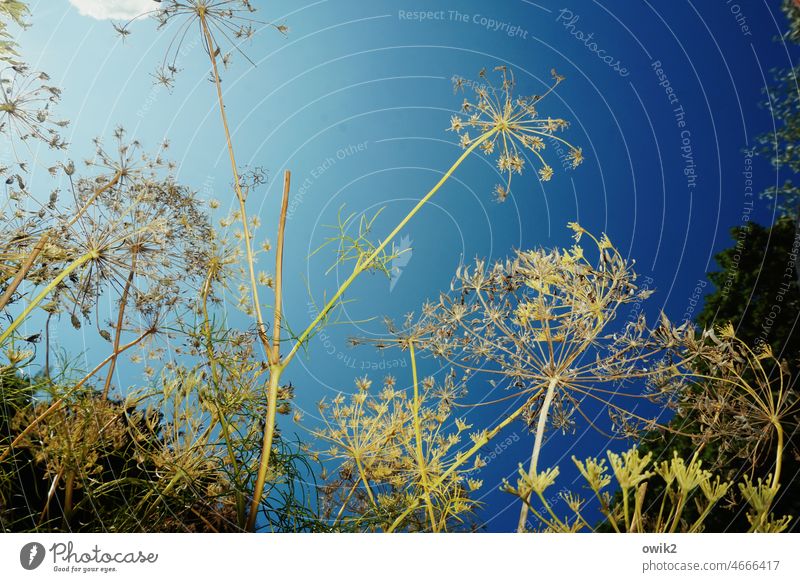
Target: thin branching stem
[(362, 266), (278, 310), (275, 367), (123, 302), (418, 439), (77, 263), (237, 186)]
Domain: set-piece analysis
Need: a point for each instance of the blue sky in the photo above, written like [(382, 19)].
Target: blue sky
[(662, 95)]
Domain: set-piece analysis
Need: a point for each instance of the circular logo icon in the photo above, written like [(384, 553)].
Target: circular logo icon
[(31, 555)]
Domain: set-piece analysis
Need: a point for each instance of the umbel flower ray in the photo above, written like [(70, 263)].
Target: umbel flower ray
[(26, 98), (230, 20), (513, 126)]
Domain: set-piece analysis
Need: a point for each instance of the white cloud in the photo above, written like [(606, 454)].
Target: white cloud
[(113, 9)]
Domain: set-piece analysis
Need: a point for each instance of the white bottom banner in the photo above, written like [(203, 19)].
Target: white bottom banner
[(423, 557)]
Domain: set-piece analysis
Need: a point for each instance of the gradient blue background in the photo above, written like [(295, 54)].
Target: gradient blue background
[(352, 72)]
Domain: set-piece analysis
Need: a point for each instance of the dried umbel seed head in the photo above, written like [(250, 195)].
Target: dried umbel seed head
[(26, 99), (739, 396), (510, 126), (231, 20), (542, 318), (136, 232)]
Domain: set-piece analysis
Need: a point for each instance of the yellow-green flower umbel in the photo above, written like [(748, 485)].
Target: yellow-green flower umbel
[(514, 124)]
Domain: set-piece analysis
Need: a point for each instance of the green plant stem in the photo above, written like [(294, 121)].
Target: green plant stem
[(45, 292), (699, 521), (660, 523), (50, 493), (266, 444), (344, 505), (275, 365), (209, 340), (776, 478), (123, 302), (638, 499), (278, 311), (69, 488), (676, 519), (606, 510), (546, 504), (262, 330), (626, 509), (275, 368), (362, 266), (418, 438), (226, 433), (538, 515), (537, 445), (362, 473)]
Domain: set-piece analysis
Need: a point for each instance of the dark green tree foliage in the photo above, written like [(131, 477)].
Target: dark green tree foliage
[(757, 288), (791, 8), (782, 146), (756, 274)]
